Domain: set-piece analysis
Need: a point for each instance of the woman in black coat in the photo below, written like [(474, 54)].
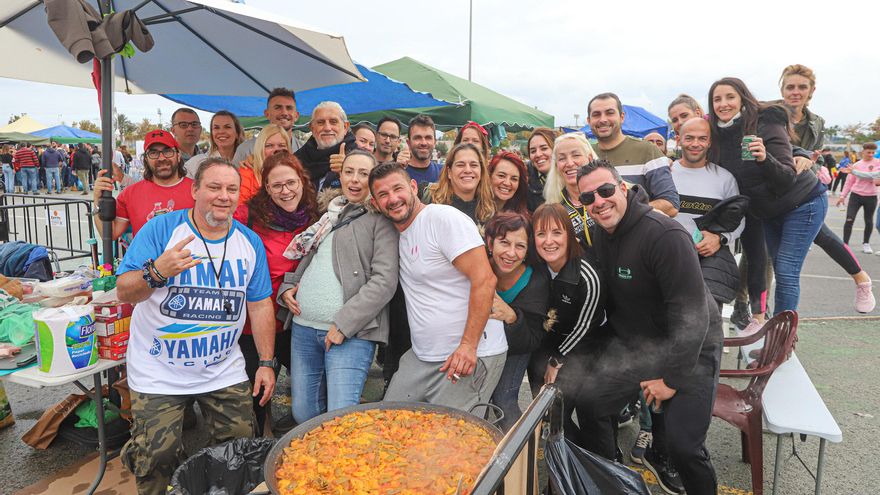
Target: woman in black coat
[(786, 209)]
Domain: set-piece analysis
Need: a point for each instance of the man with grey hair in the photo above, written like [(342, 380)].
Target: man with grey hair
[(331, 139), (196, 275)]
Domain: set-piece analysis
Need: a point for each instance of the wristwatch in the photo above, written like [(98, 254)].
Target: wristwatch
[(556, 363), (268, 363)]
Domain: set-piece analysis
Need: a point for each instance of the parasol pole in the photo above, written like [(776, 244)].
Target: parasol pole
[(107, 205)]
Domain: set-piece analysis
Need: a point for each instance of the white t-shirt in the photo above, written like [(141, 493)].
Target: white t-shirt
[(184, 337), (436, 292), (118, 159), (700, 189)]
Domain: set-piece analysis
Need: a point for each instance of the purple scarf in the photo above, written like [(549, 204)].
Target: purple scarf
[(288, 221)]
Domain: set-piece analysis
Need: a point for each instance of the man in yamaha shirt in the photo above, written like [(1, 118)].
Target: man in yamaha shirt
[(195, 275)]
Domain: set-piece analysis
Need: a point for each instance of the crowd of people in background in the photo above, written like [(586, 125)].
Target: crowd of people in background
[(58, 168), (599, 266)]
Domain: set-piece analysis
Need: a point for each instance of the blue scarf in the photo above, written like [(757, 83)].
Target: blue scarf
[(510, 294)]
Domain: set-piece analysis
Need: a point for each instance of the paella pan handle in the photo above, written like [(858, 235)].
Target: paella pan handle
[(498, 412)]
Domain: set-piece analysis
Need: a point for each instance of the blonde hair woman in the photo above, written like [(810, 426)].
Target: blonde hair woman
[(570, 152), (272, 139)]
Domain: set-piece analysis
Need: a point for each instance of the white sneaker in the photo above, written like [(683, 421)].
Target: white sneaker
[(866, 248)]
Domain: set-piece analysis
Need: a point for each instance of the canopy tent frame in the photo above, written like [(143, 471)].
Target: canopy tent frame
[(167, 13)]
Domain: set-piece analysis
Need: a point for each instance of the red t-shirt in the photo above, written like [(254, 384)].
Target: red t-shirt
[(145, 199)]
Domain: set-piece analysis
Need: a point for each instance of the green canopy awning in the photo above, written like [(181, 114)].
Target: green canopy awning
[(482, 105), (20, 137)]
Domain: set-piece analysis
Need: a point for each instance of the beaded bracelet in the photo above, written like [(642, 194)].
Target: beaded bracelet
[(148, 275)]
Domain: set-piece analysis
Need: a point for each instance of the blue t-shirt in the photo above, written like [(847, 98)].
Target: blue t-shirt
[(431, 173), (184, 337)]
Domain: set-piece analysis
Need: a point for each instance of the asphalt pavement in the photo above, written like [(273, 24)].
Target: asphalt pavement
[(838, 347)]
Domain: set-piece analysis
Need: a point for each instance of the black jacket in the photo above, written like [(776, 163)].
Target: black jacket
[(317, 162), (720, 271), (527, 332), (773, 187), (82, 160), (535, 193), (657, 304), (576, 305)]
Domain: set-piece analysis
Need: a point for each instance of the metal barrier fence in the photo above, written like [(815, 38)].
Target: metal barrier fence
[(541, 420), (62, 225)]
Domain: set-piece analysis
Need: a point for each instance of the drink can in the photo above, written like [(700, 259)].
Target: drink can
[(746, 153)]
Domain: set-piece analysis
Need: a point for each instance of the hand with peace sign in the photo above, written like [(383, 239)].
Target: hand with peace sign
[(337, 159), (177, 259)]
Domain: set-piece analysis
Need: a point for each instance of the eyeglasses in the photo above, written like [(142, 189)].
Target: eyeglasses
[(385, 135), (280, 186), (605, 190), (167, 153), (187, 125)]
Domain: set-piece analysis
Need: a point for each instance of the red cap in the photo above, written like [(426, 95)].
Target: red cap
[(160, 137)]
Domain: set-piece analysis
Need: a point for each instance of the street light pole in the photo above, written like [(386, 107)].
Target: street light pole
[(470, 38)]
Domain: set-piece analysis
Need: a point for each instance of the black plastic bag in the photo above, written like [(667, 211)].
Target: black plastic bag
[(575, 471), (231, 468)]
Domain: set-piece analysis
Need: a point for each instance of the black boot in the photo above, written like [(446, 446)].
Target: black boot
[(664, 471)]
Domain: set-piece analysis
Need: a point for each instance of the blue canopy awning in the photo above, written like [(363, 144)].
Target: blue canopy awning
[(637, 122), (66, 134), (377, 94)]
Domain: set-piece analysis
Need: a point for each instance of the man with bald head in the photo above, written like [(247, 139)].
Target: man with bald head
[(657, 140), (701, 185)]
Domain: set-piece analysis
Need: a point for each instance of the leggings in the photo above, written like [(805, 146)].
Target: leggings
[(833, 246), (840, 179), (857, 201), (837, 250), (755, 251)]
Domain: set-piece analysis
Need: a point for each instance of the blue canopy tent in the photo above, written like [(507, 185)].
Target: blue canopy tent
[(68, 135), (377, 94), (637, 122)]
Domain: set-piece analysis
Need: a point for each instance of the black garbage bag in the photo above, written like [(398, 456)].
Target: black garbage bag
[(230, 468), (575, 471)]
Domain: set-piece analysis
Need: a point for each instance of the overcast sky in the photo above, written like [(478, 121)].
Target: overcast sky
[(555, 55)]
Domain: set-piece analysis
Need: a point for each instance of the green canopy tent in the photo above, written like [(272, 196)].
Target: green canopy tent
[(470, 101), (480, 104), (20, 137)]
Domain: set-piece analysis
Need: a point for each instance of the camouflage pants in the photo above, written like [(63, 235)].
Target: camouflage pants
[(156, 447)]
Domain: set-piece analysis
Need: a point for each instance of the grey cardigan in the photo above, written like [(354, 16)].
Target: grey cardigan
[(365, 261)]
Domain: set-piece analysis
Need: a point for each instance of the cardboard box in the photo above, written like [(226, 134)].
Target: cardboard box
[(120, 340), (115, 353), (112, 310), (107, 327)]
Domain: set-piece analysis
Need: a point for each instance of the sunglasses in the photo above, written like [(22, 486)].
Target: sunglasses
[(605, 190)]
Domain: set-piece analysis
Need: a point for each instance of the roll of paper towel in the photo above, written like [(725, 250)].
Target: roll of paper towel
[(66, 340)]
